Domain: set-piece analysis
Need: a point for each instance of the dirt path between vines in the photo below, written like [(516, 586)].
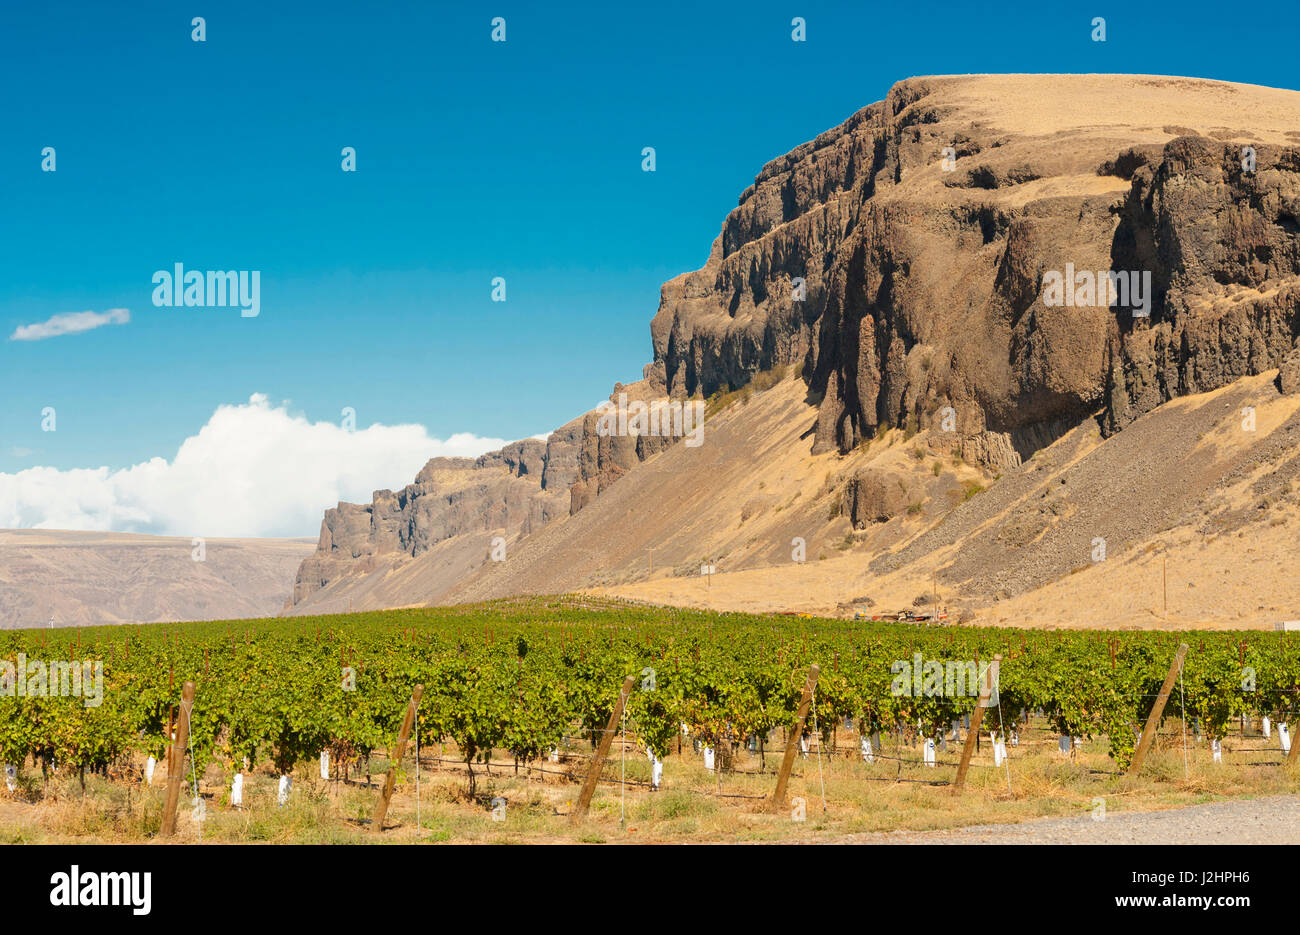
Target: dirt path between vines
[(1268, 820)]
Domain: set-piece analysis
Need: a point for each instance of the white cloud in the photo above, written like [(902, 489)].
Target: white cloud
[(17, 452), (252, 470), (70, 323)]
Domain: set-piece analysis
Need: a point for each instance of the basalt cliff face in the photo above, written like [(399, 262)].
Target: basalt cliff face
[(896, 264), (507, 493), (923, 226), (467, 503)]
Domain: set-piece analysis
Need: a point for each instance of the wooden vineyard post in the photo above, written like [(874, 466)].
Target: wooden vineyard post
[(1291, 758), (381, 807), (176, 761), (976, 718), (792, 739), (171, 715), (1153, 719), (602, 750)]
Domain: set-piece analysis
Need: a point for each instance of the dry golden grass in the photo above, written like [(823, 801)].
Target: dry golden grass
[(885, 796)]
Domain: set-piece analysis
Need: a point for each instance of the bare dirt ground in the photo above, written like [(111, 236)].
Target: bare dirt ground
[(1184, 520)]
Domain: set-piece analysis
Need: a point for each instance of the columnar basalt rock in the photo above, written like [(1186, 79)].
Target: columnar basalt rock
[(505, 491), (923, 286), (897, 262)]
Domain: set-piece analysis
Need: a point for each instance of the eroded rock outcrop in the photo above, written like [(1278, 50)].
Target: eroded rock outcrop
[(511, 492), (873, 495), (898, 263), (1223, 244), (1288, 378), (899, 258)]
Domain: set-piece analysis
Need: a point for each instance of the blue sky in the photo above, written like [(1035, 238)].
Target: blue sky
[(475, 159)]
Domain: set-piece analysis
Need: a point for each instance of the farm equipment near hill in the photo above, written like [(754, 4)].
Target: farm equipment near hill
[(928, 618)]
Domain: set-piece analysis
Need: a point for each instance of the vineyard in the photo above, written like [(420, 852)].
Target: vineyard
[(520, 682)]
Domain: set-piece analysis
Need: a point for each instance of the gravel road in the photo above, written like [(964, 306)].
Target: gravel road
[(1269, 820)]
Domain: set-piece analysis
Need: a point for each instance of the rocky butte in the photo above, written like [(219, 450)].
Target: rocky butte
[(895, 266)]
